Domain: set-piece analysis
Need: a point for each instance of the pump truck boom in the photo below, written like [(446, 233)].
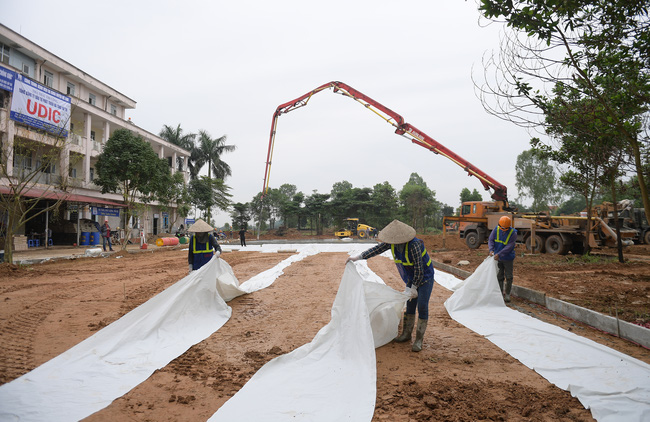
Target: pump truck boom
[(500, 192)]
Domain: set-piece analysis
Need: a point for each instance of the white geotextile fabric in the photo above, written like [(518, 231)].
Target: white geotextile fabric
[(334, 377), (89, 376), (616, 387)]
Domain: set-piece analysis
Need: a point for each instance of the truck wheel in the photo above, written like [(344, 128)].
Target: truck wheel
[(473, 240), (646, 238), (555, 245), (539, 244), (362, 235)]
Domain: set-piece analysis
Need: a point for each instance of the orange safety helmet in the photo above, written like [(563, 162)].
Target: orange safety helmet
[(505, 222)]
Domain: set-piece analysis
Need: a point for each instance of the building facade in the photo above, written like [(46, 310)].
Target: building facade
[(66, 116)]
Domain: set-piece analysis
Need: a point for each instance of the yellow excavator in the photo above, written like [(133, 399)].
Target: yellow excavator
[(354, 228)]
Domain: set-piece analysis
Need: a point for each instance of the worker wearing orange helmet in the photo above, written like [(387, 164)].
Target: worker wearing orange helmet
[(502, 246)]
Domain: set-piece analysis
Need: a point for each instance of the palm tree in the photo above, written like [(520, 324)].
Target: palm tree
[(209, 152), (185, 141)]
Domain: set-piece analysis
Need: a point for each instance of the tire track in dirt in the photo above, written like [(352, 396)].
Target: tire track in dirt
[(18, 331)]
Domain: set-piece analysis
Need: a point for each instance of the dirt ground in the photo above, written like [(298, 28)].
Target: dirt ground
[(458, 376)]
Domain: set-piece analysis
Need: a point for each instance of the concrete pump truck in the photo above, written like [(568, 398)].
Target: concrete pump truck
[(540, 233)]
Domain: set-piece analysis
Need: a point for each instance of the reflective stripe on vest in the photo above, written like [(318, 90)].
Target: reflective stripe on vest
[(207, 245), (408, 262), (505, 242)]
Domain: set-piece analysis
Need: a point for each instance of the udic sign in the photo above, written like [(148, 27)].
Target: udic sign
[(36, 105)]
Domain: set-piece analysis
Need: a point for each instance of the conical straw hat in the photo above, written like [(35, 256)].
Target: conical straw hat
[(200, 226), (396, 232)]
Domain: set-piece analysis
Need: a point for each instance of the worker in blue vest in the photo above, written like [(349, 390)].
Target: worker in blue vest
[(502, 246), (202, 245), (415, 268)]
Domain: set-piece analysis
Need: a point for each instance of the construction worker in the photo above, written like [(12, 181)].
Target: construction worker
[(202, 245), (415, 268), (502, 246), (105, 231)]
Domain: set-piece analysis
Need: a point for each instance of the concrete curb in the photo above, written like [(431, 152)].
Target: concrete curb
[(451, 269), (608, 324)]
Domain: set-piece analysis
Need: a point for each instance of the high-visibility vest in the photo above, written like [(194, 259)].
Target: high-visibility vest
[(208, 247), (504, 242), (500, 243), (405, 262)]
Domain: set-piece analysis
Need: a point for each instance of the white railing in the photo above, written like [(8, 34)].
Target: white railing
[(98, 146), (74, 138)]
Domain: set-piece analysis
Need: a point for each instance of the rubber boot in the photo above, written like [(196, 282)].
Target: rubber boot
[(508, 289), (407, 328), (419, 334)]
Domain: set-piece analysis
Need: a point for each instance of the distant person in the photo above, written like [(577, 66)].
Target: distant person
[(415, 268), (502, 246), (242, 237), (106, 235), (203, 246)]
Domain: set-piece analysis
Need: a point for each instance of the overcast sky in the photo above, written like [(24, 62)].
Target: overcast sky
[(224, 67)]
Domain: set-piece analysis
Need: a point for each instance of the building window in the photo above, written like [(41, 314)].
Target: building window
[(73, 173), (26, 69), (48, 78), (113, 109), (92, 99), (92, 135), (46, 167), (92, 173), (4, 53), (70, 90)]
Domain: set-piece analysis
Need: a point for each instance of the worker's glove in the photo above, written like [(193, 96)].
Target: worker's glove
[(191, 267), (217, 254), (353, 258), (412, 292), (491, 253)]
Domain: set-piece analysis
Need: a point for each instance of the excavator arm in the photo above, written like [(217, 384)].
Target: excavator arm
[(500, 192)]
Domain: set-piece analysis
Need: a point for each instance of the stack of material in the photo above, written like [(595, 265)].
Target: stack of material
[(20, 243)]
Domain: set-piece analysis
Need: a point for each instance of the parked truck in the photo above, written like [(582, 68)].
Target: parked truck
[(539, 232)]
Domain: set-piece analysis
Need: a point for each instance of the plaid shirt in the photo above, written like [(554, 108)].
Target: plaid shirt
[(415, 252)]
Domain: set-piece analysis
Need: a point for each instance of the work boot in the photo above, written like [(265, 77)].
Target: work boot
[(407, 328), (419, 334)]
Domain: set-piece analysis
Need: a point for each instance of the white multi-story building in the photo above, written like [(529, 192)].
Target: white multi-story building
[(55, 91)]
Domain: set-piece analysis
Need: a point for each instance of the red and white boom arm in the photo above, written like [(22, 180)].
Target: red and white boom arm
[(500, 192)]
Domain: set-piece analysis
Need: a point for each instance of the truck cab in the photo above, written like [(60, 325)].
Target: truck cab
[(473, 225)]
